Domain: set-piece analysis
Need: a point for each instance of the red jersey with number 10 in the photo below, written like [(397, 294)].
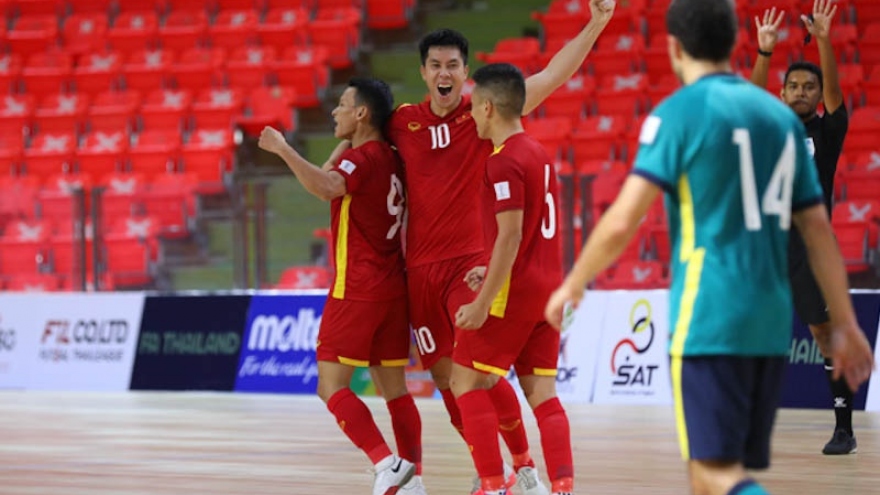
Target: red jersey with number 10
[(366, 224), (520, 176), (444, 162)]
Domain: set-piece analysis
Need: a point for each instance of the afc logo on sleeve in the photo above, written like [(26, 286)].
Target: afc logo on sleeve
[(649, 130), (347, 167), (811, 146), (502, 190)]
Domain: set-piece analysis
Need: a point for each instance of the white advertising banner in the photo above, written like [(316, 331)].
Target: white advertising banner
[(14, 354), (633, 362), (578, 350), (873, 401), (83, 342)]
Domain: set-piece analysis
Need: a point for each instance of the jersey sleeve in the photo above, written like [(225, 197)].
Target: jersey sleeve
[(353, 168), (661, 141), (507, 180), (806, 190), (836, 125)]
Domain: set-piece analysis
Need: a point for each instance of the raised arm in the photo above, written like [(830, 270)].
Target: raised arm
[(569, 58), (320, 182), (820, 28), (768, 34)]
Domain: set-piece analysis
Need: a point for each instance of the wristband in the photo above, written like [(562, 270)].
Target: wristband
[(762, 52)]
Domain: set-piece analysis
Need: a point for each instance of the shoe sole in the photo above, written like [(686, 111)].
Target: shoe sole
[(406, 477)]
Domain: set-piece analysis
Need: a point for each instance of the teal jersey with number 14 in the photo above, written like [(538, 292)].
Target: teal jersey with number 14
[(733, 163)]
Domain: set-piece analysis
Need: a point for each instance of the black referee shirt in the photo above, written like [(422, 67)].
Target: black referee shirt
[(825, 135)]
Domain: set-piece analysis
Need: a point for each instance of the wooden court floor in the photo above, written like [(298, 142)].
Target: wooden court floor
[(219, 444)]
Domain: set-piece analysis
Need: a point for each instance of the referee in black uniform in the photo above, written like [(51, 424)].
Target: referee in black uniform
[(804, 87)]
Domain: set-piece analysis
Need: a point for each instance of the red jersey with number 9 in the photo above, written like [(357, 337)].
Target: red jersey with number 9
[(444, 162), (520, 176), (366, 225)]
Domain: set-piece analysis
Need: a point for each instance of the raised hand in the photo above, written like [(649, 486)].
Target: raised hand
[(602, 10), (768, 29), (271, 140), (820, 25)]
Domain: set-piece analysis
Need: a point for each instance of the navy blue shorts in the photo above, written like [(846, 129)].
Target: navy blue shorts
[(725, 407)]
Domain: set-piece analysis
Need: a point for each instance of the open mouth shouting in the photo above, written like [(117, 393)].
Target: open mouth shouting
[(444, 89)]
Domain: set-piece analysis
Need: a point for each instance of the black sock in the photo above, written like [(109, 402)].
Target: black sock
[(843, 397)]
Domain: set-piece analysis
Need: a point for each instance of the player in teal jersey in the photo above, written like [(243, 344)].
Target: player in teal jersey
[(733, 164)]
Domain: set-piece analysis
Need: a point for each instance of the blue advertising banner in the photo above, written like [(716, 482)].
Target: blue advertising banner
[(278, 349), (189, 342), (806, 385)]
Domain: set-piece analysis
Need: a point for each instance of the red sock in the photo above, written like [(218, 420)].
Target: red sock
[(510, 423), (454, 413), (555, 440), (481, 434), (407, 425), (356, 421)]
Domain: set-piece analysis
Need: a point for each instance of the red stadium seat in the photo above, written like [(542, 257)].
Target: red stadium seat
[(114, 110), (155, 152), (62, 113), (284, 27), (50, 153), (595, 138), (217, 107), (389, 14), (233, 29), (134, 31), (166, 109), (198, 68), (84, 33), (102, 153), (97, 72), (147, 70), (33, 34)]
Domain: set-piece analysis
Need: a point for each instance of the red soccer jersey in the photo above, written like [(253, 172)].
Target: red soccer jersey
[(520, 176), (366, 225), (445, 162)]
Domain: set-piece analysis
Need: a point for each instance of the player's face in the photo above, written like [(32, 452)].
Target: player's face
[(802, 93), (345, 115), (445, 73), (480, 113)]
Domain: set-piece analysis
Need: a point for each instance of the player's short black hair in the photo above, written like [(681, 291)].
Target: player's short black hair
[(504, 85), (376, 95), (806, 66), (707, 29), (444, 38)]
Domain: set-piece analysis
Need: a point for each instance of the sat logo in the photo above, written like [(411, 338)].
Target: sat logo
[(626, 366)]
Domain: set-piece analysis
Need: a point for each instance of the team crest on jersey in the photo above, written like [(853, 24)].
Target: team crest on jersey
[(414, 126), (461, 118)]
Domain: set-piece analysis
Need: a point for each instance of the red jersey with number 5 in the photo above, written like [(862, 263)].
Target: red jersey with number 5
[(520, 176), (366, 224), (444, 161)]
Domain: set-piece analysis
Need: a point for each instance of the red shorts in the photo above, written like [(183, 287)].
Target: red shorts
[(436, 291), (364, 333), (531, 348)]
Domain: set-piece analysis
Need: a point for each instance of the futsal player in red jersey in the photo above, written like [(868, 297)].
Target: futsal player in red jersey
[(444, 162), (505, 324), (365, 320)]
